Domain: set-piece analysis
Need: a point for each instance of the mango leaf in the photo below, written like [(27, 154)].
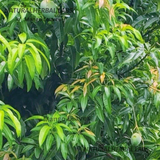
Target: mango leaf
[(58, 141), (37, 152), (10, 82), (49, 142), (28, 79), (1, 119), (11, 108), (64, 150), (22, 37), (1, 140), (36, 56), (117, 92), (5, 42), (60, 132), (30, 64), (43, 134), (84, 102), (3, 14), (99, 113), (107, 99), (15, 121), (13, 13)]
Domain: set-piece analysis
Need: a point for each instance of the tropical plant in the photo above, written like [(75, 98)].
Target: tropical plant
[(100, 58)]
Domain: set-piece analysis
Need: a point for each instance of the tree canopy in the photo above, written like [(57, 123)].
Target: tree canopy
[(79, 79)]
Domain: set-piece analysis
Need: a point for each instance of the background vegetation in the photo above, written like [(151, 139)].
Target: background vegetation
[(78, 85)]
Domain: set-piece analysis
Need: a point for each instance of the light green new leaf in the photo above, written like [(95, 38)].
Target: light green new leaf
[(36, 56), (60, 132), (12, 60), (13, 12), (3, 14), (22, 37), (5, 42), (11, 108), (1, 140), (1, 119), (45, 59), (23, 15), (14, 119), (21, 49), (36, 41), (84, 102), (138, 35), (30, 64), (43, 134), (35, 117)]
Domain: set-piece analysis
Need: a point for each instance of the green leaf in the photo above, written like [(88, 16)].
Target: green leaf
[(28, 140), (64, 150), (28, 79), (21, 74), (58, 141), (49, 142), (117, 92), (98, 41), (1, 119), (35, 117), (23, 15), (11, 108), (43, 134), (11, 60), (45, 59), (3, 14), (138, 35), (8, 134), (21, 49), (75, 139), (1, 140), (84, 102), (10, 82), (82, 140), (107, 103), (5, 42), (95, 91), (36, 56), (99, 113), (37, 152), (22, 37), (116, 154), (30, 64), (14, 119), (13, 13), (60, 132), (27, 148), (36, 41)]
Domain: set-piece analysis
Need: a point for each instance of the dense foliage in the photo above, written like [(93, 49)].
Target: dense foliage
[(79, 80)]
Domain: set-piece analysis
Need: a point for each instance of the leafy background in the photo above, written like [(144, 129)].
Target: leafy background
[(80, 84)]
